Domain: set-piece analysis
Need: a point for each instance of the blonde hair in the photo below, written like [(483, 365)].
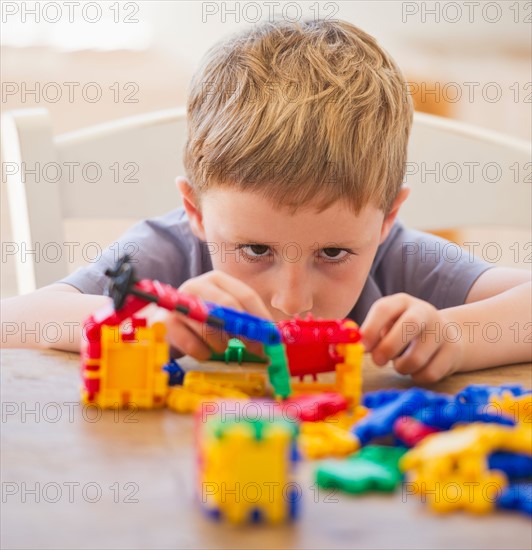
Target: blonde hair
[(303, 113)]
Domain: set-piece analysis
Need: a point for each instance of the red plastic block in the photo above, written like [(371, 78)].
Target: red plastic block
[(314, 407), (411, 431), (311, 343)]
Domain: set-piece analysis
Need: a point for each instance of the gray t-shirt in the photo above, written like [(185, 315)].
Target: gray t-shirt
[(420, 264)]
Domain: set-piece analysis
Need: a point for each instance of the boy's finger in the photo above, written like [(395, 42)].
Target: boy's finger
[(383, 313), (440, 366), (227, 292), (416, 357), (213, 337), (185, 339), (244, 295), (403, 331)]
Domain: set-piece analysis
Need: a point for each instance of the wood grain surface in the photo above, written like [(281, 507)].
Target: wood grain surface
[(77, 477)]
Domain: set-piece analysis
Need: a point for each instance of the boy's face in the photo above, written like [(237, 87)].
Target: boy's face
[(307, 262)]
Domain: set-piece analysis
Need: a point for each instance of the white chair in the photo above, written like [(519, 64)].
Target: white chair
[(459, 175)]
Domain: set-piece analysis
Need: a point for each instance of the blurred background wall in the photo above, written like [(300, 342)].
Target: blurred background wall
[(468, 60)]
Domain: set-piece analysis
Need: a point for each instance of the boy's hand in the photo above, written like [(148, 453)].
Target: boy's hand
[(411, 333), (198, 340)]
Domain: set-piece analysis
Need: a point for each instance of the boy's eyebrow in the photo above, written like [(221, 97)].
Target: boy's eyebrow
[(322, 244)]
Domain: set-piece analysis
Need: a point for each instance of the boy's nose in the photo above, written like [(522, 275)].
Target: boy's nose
[(292, 295)]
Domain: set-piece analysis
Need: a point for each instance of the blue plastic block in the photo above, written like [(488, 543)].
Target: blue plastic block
[(479, 394), (445, 415), (238, 323), (213, 513), (380, 397), (380, 420), (176, 373), (514, 465), (293, 504), (518, 496), (255, 515)]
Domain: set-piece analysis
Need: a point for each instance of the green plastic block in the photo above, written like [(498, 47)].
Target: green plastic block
[(236, 351), (259, 426), (278, 372), (373, 468)]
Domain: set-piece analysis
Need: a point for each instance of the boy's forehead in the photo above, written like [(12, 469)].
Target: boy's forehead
[(245, 216)]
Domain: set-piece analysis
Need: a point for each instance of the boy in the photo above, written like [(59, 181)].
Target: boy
[(295, 161)]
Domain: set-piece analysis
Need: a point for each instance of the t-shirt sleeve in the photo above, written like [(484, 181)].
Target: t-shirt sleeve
[(427, 267), (161, 248)]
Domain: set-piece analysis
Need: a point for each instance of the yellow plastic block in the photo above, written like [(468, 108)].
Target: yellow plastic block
[(349, 373), (252, 384), (450, 469), (347, 420), (518, 408), (324, 439), (241, 474), (131, 372), (183, 399), (460, 492)]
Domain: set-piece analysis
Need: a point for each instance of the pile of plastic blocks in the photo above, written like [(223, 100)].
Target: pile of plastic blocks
[(472, 451)]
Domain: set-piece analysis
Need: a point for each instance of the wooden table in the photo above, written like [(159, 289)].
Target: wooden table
[(74, 478)]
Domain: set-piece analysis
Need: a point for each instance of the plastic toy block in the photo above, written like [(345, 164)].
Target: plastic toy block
[(409, 431), (236, 352), (245, 466), (450, 469), (374, 468), (380, 420), (477, 494), (314, 407), (464, 447), (459, 457), (514, 465), (252, 384), (306, 388), (310, 343), (348, 381), (480, 394), (176, 374), (129, 370), (517, 496), (325, 439), (518, 408), (349, 372), (278, 370), (239, 323), (346, 420), (445, 415), (378, 398), (189, 399)]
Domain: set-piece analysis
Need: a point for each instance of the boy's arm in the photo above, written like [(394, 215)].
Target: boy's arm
[(50, 317), (492, 328), (496, 320)]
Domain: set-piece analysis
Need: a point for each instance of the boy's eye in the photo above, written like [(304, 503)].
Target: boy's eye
[(258, 249), (254, 251), (334, 253), (335, 256)]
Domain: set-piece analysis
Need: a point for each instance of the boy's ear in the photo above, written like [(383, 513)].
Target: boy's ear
[(392, 215), (191, 206)]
